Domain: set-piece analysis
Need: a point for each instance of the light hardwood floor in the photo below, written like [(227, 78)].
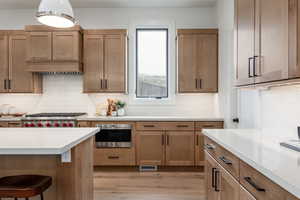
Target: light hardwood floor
[(149, 185)]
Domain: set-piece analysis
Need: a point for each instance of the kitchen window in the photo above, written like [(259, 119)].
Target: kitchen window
[(152, 63)]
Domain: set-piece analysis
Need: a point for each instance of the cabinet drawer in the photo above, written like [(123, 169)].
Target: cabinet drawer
[(3, 124), (229, 161), (114, 157), (208, 125), (258, 185), (84, 124), (14, 124), (211, 147), (169, 126)]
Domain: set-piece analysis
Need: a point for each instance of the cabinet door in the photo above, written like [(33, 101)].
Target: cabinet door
[(245, 195), (187, 63), (244, 38), (294, 42), (150, 148), (227, 186), (3, 124), (66, 46), (21, 81), (180, 148), (207, 62), (93, 63), (39, 46), (272, 61), (199, 149), (210, 179), (115, 63), (3, 63)]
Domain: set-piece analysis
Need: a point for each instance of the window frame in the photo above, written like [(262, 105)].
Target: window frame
[(137, 66)]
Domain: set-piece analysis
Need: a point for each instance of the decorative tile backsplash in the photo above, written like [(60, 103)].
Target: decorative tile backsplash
[(63, 93)]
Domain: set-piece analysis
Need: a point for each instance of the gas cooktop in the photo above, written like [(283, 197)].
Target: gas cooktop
[(56, 115)]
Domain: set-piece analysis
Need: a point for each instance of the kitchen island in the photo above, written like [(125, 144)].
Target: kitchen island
[(65, 154), (266, 169)]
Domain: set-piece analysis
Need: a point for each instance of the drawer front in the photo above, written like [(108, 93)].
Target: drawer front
[(258, 185), (211, 147), (229, 161), (3, 124), (84, 124), (14, 124), (208, 125), (114, 157), (165, 126)]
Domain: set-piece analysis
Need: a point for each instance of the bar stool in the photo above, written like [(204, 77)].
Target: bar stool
[(24, 186)]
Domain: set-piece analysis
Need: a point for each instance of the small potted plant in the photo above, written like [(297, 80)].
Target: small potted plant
[(120, 108)]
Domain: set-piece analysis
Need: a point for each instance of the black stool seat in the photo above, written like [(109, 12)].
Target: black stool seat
[(24, 186)]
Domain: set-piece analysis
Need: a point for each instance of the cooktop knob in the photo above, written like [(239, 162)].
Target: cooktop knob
[(70, 124), (48, 125), (56, 124), (64, 124), (40, 124)]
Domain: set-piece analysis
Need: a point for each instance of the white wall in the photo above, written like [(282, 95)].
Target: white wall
[(64, 92), (227, 94)]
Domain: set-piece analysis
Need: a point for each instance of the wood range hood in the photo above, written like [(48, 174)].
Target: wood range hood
[(53, 50)]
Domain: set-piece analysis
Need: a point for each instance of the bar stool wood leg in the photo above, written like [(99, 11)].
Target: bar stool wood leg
[(42, 196)]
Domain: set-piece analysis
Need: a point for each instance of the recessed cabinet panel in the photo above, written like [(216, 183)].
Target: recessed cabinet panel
[(245, 35), (93, 63), (20, 79), (115, 63), (39, 46), (272, 62), (207, 55), (180, 148), (66, 46), (187, 63), (3, 63), (151, 147)]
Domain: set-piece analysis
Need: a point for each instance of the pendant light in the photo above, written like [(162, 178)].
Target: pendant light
[(56, 13)]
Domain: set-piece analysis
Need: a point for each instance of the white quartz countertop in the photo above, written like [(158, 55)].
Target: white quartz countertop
[(148, 118), (42, 141), (264, 153)]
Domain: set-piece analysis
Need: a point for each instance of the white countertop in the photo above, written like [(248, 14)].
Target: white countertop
[(263, 153), (148, 118), (42, 141)]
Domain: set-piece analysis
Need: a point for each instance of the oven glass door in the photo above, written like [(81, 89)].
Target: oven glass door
[(113, 138)]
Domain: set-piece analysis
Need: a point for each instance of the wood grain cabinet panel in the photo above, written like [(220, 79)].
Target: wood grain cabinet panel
[(262, 41), (66, 46), (93, 63), (115, 63), (211, 167), (227, 186), (245, 195), (180, 148), (197, 61), (244, 37), (39, 46), (3, 63), (3, 124), (20, 79), (272, 43), (150, 148), (105, 61), (199, 149)]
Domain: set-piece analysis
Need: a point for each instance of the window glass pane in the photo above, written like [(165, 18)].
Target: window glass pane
[(152, 63)]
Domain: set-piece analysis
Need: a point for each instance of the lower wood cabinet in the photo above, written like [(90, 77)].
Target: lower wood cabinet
[(10, 124), (180, 148), (114, 157), (220, 185), (150, 147), (199, 146), (245, 195)]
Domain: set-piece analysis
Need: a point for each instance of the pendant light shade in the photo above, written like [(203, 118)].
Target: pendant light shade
[(56, 13)]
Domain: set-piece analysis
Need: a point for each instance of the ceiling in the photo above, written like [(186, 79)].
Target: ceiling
[(22, 4)]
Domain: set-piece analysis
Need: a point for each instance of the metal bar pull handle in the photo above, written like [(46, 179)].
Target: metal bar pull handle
[(251, 182), (249, 67), (196, 83), (217, 173), (254, 66), (101, 83), (113, 157), (209, 147), (225, 160), (200, 83), (162, 140), (149, 126), (5, 84), (213, 184), (182, 126)]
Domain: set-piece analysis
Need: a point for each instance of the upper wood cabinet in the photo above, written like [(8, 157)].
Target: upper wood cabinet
[(197, 60), (15, 77), (105, 61), (261, 35), (54, 50)]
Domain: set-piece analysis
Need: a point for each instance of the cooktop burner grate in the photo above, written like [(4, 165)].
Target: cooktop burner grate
[(56, 115)]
